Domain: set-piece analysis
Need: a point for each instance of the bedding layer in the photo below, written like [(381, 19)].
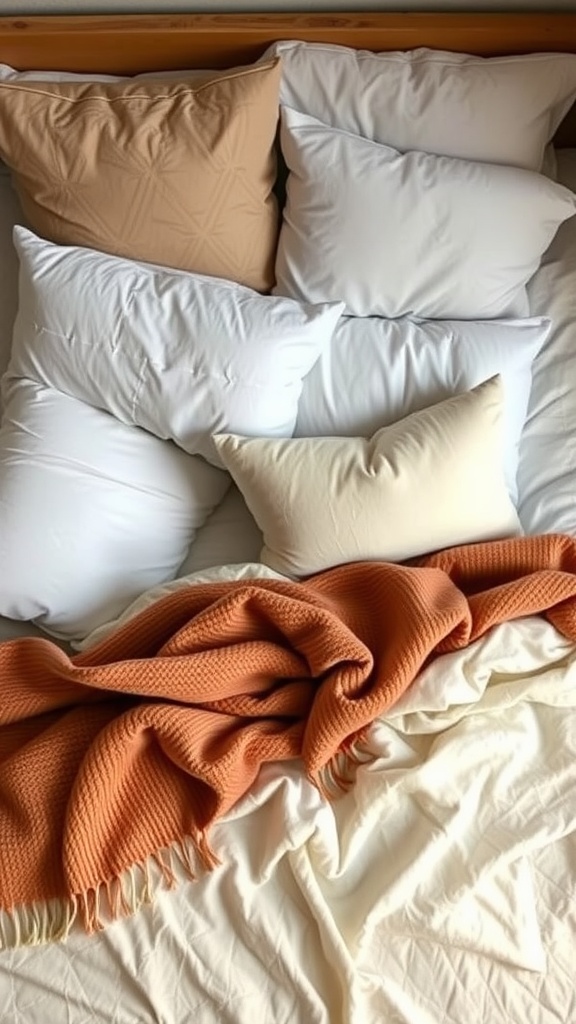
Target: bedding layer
[(547, 464), (125, 151), (440, 889), (545, 476), (141, 743)]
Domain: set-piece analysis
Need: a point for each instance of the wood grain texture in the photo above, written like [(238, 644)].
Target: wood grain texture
[(130, 43)]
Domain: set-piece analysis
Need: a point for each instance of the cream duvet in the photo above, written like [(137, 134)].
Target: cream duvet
[(444, 881)]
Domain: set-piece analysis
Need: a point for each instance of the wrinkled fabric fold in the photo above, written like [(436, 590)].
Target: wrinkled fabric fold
[(138, 745)]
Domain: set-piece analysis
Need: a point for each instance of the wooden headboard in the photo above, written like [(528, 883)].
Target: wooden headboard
[(131, 43)]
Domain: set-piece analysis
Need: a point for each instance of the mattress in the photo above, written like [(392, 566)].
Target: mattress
[(440, 886)]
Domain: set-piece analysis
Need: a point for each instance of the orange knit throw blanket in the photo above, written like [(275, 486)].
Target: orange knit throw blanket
[(113, 759)]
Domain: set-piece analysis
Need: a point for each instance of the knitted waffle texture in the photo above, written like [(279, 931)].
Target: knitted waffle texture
[(112, 757)]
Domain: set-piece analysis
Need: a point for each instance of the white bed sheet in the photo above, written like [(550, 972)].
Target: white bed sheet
[(440, 889), (9, 629)]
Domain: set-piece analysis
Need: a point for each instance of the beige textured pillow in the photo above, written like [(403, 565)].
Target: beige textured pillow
[(171, 172), (431, 480)]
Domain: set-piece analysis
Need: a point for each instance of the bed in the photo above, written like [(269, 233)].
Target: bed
[(287, 519)]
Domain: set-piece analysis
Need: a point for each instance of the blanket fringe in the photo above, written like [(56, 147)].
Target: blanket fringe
[(37, 923), (338, 774), (124, 895)]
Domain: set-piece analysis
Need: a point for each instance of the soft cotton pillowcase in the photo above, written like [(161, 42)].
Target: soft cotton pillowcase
[(92, 512), (11, 74), (547, 465), (181, 355), (431, 480), (173, 172), (498, 109), (396, 234), (110, 358), (374, 372)]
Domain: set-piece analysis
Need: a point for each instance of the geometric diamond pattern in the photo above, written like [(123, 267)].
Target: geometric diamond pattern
[(171, 172)]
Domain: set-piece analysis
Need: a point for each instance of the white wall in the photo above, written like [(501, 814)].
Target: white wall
[(23, 7)]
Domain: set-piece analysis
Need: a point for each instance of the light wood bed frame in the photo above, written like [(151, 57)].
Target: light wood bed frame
[(131, 43)]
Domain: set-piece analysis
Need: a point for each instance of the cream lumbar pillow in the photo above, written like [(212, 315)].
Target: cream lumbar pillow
[(431, 480)]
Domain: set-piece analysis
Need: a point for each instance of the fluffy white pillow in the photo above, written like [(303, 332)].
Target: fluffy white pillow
[(92, 512), (93, 509), (498, 109), (547, 464), (376, 371), (179, 354), (431, 480), (10, 74), (373, 373), (394, 234)]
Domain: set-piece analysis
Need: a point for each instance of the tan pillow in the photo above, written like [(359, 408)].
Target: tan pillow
[(431, 480), (172, 172)]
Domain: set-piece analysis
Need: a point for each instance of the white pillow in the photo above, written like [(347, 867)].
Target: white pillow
[(373, 373), (498, 109), (431, 480), (376, 371), (394, 234), (92, 512), (178, 354), (10, 74), (547, 465)]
